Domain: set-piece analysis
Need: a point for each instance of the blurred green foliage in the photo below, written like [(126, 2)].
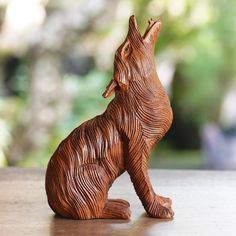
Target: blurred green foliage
[(197, 36)]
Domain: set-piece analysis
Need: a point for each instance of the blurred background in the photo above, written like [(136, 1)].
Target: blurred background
[(56, 58)]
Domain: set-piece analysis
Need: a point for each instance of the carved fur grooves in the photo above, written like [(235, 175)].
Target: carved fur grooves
[(86, 163)]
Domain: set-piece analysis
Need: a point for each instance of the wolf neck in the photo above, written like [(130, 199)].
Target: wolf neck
[(151, 107), (146, 105), (147, 89)]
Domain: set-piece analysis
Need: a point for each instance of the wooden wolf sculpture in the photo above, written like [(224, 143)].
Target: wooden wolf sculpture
[(87, 162)]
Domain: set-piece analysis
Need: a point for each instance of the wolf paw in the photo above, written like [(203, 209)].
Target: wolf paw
[(160, 208), (116, 209)]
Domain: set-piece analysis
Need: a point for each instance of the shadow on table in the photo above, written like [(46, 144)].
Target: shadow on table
[(141, 226)]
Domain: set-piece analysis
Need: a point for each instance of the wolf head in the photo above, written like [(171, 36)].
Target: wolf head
[(134, 59)]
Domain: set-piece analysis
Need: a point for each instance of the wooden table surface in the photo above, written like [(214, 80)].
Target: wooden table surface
[(204, 204)]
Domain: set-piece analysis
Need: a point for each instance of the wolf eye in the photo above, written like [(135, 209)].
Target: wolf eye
[(127, 49)]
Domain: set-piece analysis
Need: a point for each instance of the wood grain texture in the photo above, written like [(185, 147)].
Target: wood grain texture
[(87, 162), (204, 203)]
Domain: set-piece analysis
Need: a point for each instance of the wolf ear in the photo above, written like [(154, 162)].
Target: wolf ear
[(117, 82), (152, 32), (110, 89)]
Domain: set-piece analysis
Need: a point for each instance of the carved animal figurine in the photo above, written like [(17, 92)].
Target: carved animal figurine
[(87, 162)]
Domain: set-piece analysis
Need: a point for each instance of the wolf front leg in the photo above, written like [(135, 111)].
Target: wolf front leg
[(136, 165)]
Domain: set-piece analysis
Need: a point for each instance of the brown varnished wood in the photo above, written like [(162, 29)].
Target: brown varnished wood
[(87, 162)]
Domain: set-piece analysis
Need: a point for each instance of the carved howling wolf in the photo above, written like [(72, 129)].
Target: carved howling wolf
[(87, 162)]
